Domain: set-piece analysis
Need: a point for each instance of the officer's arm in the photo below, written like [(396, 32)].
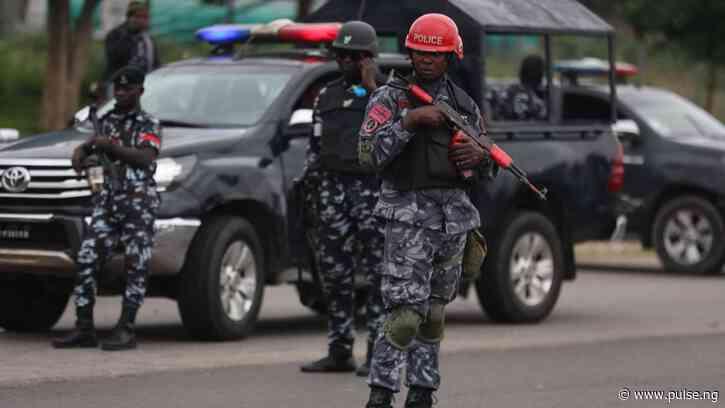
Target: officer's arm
[(148, 145), (382, 136), (311, 172)]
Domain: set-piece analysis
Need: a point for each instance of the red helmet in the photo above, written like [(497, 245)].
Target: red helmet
[(434, 33)]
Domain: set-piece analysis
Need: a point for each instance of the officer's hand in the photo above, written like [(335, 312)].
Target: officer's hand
[(103, 144), (368, 71), (428, 115), (465, 153), (79, 155)]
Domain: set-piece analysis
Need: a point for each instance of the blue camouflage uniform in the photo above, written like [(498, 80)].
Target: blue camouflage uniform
[(350, 238), (124, 211), (425, 236)]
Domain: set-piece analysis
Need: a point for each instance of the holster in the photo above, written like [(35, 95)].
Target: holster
[(474, 255)]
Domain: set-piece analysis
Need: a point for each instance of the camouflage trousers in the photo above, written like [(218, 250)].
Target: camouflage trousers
[(421, 266), (351, 240), (125, 218)]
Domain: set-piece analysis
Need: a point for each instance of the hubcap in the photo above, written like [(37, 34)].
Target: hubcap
[(688, 237), (532, 268), (238, 280)]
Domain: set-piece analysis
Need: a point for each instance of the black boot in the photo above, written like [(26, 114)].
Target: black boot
[(419, 397), (338, 360), (123, 336), (380, 398), (364, 369), (84, 335)]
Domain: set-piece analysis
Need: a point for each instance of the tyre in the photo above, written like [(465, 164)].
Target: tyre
[(222, 284), (522, 275), (33, 303), (688, 233)]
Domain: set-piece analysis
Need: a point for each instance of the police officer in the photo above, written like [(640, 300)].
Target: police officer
[(350, 238), (124, 210), (130, 43), (427, 211), (523, 101)]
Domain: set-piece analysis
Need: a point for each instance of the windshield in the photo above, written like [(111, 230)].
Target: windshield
[(218, 96), (673, 116)]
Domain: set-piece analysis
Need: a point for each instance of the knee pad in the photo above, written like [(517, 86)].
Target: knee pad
[(431, 331), (401, 327)]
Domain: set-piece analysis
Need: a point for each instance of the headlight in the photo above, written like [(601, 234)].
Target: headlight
[(170, 169)]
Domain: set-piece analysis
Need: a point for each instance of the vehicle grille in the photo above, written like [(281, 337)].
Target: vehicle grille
[(50, 179)]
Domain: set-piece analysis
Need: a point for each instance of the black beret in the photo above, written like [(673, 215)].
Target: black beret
[(129, 75)]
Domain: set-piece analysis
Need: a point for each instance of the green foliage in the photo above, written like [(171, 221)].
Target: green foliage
[(693, 25)]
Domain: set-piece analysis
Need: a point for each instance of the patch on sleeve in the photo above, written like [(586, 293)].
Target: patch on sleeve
[(377, 115), (151, 139)]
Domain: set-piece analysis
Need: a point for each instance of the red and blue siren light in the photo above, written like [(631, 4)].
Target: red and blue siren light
[(282, 30), (225, 33), (594, 67)]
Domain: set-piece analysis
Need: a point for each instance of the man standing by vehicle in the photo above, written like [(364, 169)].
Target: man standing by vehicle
[(350, 237), (131, 44), (124, 209), (428, 213)]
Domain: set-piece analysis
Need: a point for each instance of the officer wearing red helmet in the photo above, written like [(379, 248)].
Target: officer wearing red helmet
[(427, 212)]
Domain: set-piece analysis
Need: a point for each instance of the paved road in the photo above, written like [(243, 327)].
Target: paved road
[(610, 330)]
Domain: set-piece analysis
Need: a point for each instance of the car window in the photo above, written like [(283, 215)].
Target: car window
[(213, 96), (673, 116)]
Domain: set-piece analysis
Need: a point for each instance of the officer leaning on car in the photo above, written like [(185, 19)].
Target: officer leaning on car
[(427, 211), (124, 210), (350, 238)]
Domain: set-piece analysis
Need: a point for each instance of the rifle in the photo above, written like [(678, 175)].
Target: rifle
[(103, 159), (454, 118)]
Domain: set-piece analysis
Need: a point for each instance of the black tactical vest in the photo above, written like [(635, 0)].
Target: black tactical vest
[(342, 115), (424, 163)]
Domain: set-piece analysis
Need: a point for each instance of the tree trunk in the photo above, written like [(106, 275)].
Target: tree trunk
[(711, 86), (303, 8), (67, 62), (54, 92), (78, 60)]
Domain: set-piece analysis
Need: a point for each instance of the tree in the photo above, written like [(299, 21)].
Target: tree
[(68, 48), (695, 26)]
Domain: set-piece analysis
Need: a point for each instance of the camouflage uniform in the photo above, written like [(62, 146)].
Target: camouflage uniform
[(517, 102), (125, 212), (424, 239), (350, 238)]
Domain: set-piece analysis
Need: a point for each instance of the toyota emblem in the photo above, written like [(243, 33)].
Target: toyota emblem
[(15, 179)]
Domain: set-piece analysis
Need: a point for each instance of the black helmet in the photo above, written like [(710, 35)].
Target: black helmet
[(357, 36)]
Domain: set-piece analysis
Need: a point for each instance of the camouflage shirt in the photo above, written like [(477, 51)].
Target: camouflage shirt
[(383, 138), (135, 129)]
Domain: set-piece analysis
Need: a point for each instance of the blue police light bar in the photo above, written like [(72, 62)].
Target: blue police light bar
[(225, 33)]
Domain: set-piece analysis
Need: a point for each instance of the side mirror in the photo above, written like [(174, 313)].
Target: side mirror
[(301, 116), (81, 116), (626, 130), (9, 135), (300, 124)]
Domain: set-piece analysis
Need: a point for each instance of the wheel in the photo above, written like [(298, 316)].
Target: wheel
[(222, 284), (33, 303), (688, 233), (522, 275)]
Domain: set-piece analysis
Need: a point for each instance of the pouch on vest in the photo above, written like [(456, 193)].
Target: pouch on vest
[(439, 166), (474, 255)]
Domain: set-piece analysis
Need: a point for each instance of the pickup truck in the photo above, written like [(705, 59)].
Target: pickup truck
[(234, 137)]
